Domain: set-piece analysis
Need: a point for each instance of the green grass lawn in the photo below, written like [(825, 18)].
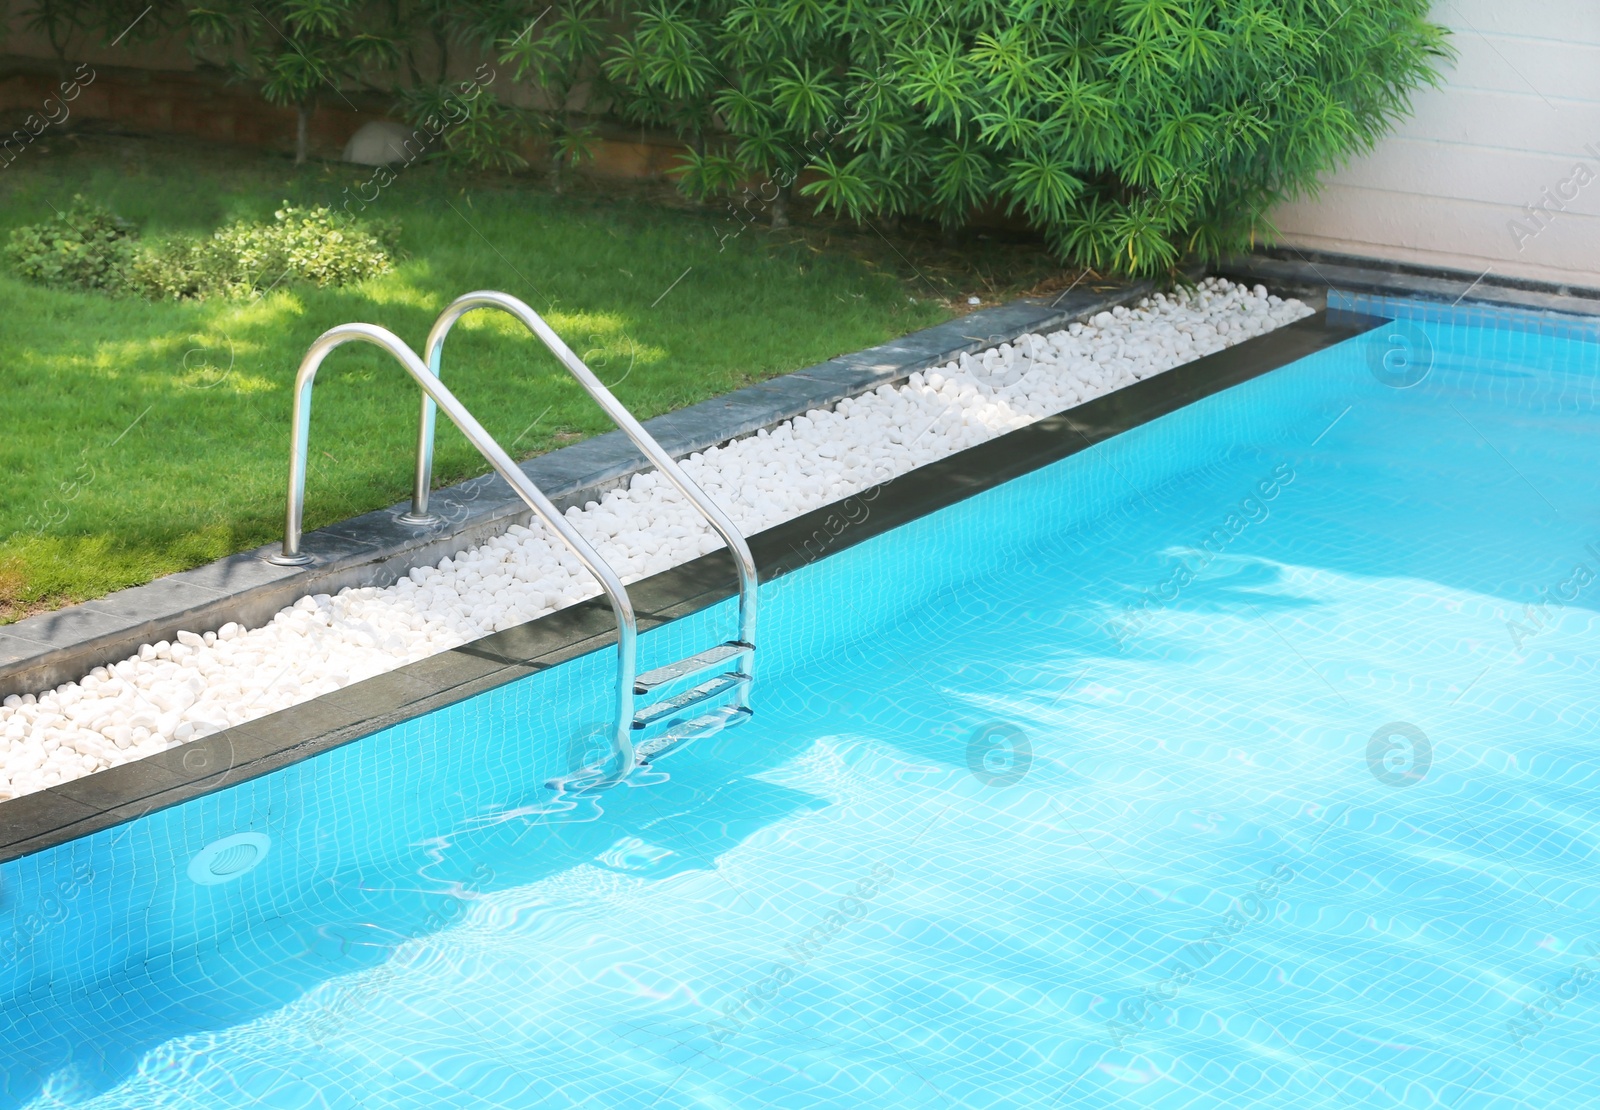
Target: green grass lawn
[(142, 438)]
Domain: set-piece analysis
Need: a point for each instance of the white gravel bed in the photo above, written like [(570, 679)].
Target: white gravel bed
[(171, 693)]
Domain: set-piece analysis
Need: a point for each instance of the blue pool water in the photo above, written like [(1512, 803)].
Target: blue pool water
[(1247, 759)]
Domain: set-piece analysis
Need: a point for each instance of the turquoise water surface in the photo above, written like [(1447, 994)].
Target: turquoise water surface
[(1247, 759)]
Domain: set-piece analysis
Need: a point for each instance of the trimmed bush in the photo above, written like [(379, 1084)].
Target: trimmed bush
[(90, 248), (315, 245), (85, 247)]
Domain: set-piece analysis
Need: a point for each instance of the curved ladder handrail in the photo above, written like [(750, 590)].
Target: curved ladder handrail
[(435, 393), (744, 561)]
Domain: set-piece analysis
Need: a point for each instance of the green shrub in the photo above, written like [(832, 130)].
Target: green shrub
[(315, 245), (90, 248), (1134, 133), (299, 50), (85, 247)]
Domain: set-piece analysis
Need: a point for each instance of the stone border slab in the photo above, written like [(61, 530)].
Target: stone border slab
[(1314, 272), (376, 548), (106, 798)]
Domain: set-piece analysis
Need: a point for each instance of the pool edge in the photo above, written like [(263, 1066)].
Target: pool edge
[(44, 819)]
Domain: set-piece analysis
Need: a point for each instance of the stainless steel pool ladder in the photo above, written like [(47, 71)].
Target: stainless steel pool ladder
[(632, 742)]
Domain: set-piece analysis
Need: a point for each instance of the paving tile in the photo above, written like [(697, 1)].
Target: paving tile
[(65, 628), (132, 810), (708, 576), (594, 460), (33, 815), (383, 529), (484, 495), (589, 625), (157, 602), (15, 648), (850, 378), (213, 755), (292, 728), (449, 669), (237, 573), (381, 695), (328, 548), (119, 786), (376, 701)]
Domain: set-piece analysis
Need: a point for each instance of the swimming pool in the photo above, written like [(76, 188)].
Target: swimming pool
[(1244, 759)]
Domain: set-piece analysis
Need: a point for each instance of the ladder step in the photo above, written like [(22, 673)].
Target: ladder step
[(661, 710), (661, 676), (680, 735), (698, 729)]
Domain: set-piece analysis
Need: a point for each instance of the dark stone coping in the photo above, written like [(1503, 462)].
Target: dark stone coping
[(74, 809), (1300, 273), (374, 549)]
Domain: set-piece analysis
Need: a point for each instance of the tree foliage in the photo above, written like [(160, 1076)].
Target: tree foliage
[(72, 27), (300, 51), (1134, 133), (556, 54)]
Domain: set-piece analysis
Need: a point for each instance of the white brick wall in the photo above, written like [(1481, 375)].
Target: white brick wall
[(1512, 119)]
